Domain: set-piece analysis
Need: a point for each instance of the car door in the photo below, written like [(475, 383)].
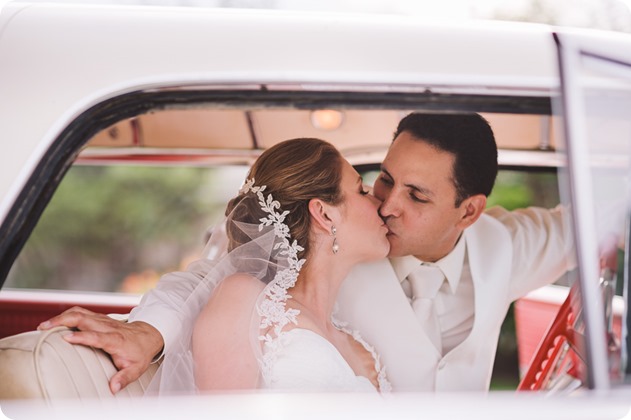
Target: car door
[(595, 105)]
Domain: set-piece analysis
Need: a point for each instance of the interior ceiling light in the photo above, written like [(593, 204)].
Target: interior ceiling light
[(327, 119)]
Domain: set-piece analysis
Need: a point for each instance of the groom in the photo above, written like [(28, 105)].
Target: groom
[(433, 310), (457, 265)]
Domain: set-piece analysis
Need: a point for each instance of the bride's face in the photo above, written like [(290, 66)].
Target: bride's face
[(362, 233)]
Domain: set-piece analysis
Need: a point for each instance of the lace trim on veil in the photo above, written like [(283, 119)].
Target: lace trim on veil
[(272, 308)]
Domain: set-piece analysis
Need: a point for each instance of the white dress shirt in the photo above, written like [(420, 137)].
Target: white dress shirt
[(454, 304)]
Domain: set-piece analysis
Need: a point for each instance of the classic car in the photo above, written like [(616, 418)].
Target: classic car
[(125, 129)]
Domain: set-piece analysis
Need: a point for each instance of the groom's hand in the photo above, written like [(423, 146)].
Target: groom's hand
[(132, 345)]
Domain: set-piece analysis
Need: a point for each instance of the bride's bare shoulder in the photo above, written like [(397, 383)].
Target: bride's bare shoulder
[(233, 297), (240, 286), (241, 283)]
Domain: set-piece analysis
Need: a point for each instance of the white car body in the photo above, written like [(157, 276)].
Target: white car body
[(63, 65)]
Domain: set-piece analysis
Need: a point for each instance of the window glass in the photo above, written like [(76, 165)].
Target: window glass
[(606, 102), (596, 106), (118, 228), (115, 227)]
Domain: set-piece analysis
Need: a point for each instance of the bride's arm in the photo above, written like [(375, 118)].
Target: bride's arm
[(222, 350)]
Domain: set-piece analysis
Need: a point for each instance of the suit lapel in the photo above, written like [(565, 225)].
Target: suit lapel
[(372, 301), (489, 254), (490, 259)]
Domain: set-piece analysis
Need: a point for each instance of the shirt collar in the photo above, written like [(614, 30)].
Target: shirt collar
[(451, 264)]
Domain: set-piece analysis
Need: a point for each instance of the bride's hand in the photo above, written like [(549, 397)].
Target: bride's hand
[(132, 345)]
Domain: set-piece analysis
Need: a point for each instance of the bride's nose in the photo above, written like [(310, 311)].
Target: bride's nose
[(375, 201)]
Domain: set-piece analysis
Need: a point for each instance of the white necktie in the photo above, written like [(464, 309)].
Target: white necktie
[(425, 281)]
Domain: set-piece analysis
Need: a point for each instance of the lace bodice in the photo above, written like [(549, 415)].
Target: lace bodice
[(302, 360)]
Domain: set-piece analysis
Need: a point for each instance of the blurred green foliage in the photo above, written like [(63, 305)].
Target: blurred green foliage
[(106, 222), (518, 189)]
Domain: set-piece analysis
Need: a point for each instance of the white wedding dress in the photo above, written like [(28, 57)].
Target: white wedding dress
[(289, 358), (303, 361)]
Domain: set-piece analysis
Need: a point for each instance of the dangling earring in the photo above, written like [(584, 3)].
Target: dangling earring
[(335, 246)]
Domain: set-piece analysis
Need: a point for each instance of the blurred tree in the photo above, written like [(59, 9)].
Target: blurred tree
[(518, 189), (614, 15), (104, 223)]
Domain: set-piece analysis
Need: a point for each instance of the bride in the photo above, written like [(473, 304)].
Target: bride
[(299, 224)]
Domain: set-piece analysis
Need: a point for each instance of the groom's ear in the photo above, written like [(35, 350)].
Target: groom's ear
[(472, 208), (321, 214)]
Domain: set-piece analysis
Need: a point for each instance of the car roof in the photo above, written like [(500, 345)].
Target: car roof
[(59, 60)]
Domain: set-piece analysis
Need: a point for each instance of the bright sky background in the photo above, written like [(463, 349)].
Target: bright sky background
[(602, 14)]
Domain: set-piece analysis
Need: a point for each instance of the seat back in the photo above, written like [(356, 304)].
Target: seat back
[(42, 365)]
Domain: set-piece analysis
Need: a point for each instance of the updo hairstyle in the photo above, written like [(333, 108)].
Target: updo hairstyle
[(294, 172)]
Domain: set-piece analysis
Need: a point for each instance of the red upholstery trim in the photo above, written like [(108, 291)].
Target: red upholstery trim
[(20, 314)]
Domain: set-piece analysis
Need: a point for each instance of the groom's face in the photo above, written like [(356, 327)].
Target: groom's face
[(417, 189)]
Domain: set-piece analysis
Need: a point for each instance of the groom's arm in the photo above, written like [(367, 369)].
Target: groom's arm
[(162, 306), (153, 326), (131, 345), (543, 247)]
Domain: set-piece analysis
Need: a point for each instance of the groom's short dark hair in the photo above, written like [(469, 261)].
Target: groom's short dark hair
[(469, 138)]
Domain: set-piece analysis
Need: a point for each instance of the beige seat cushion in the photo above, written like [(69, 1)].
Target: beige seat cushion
[(42, 365)]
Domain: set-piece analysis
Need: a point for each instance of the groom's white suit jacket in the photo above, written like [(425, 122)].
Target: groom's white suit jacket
[(509, 254)]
